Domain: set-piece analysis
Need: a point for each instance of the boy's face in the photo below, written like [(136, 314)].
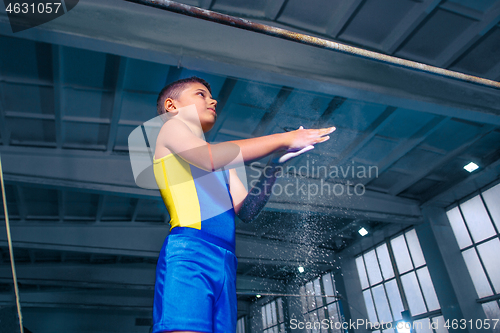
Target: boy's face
[(197, 94)]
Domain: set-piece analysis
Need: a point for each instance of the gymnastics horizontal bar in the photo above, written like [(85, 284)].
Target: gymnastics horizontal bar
[(241, 23)]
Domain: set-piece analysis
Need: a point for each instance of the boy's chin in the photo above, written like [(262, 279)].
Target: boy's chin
[(207, 127)]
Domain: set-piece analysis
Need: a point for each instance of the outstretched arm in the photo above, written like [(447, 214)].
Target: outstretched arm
[(177, 138)]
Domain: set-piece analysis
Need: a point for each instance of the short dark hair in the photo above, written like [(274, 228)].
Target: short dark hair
[(174, 90)]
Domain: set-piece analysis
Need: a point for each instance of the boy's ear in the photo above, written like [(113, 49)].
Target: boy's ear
[(170, 105)]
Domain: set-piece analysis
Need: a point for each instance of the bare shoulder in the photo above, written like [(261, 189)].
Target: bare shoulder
[(173, 125), (172, 129), (168, 132), (177, 137)]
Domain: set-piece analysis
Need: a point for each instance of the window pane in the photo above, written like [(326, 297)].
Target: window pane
[(394, 299), (477, 273), (328, 286), (459, 229), (302, 291), (361, 272), (439, 324), (401, 254), (269, 315), (372, 267), (321, 317), (492, 200), (385, 261), (333, 312), (240, 327), (273, 314), (370, 308), (381, 304), (413, 294), (492, 312), (428, 289), (313, 317), (334, 318), (489, 252), (422, 325), (280, 310), (477, 219), (415, 249), (264, 323), (317, 291), (310, 300)]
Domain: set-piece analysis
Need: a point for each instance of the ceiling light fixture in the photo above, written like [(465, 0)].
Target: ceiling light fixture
[(363, 232), (471, 167)]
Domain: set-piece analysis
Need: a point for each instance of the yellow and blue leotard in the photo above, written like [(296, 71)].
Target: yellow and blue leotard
[(196, 199), (195, 288)]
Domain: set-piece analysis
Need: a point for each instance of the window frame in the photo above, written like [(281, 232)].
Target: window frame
[(396, 276), (495, 296)]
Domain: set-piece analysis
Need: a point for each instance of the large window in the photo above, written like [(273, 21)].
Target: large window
[(273, 320), (394, 278), (240, 325), (476, 223), (316, 307)]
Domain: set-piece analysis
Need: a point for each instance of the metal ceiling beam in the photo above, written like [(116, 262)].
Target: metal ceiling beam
[(273, 110), (100, 208), (334, 104), (463, 42), (90, 171), (60, 205), (111, 174), (478, 180), (143, 240), (135, 211), (116, 103), (365, 136), (411, 143), (274, 8), (494, 72), (57, 77), (114, 276), (85, 300), (4, 132), (310, 40), (405, 184), (408, 24), (299, 66), (21, 202), (341, 16)]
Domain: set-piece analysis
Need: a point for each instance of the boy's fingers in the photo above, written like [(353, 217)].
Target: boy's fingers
[(328, 130)]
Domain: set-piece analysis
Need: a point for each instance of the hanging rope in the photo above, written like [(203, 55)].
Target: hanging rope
[(9, 239)]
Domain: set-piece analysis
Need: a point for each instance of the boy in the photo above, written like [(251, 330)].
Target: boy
[(195, 289)]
